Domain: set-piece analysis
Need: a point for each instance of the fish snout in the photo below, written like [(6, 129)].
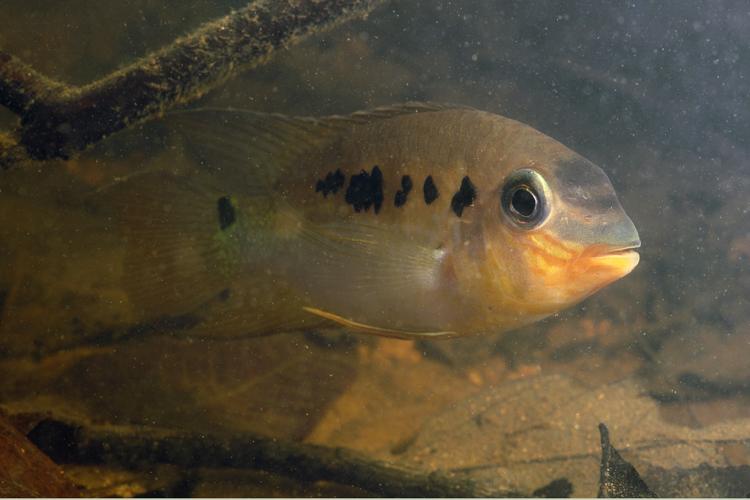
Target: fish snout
[(613, 253), (617, 260), (624, 235)]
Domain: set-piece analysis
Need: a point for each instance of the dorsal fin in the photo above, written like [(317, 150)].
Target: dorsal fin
[(385, 112), (255, 146)]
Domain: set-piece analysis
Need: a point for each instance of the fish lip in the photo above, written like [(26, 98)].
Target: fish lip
[(617, 260), (621, 249), (616, 256)]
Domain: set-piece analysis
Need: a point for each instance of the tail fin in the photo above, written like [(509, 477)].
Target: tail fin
[(180, 242)]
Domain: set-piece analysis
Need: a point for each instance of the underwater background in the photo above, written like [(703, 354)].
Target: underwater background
[(655, 92)]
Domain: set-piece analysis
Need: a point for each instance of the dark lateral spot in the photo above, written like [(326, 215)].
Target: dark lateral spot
[(403, 193), (464, 197), (430, 190), (331, 184), (366, 190), (226, 212)]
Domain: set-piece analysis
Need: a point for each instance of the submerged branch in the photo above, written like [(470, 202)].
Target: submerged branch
[(74, 445), (58, 119)]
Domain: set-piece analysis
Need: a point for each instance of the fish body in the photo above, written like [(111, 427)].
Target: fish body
[(416, 220)]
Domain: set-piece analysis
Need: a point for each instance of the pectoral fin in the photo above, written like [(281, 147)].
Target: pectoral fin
[(376, 330)]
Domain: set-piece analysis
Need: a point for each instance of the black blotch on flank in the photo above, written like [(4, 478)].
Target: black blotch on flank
[(430, 190), (366, 190), (226, 212), (224, 295), (464, 197), (403, 193), (331, 184)]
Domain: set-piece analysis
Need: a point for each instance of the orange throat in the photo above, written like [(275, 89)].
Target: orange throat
[(567, 272)]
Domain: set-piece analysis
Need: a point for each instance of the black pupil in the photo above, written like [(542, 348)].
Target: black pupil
[(523, 202)]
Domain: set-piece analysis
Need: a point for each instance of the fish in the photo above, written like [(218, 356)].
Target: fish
[(418, 220)]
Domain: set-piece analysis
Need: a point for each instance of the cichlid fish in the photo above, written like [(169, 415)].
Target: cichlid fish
[(419, 220)]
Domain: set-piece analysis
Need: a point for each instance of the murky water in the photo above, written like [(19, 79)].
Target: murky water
[(653, 92)]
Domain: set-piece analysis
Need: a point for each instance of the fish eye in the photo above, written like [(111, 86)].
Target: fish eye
[(523, 199), (523, 202)]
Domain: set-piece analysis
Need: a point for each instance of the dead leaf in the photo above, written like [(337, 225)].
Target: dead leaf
[(617, 477), (27, 472)]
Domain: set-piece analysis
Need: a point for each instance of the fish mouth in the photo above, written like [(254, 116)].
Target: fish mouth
[(619, 260)]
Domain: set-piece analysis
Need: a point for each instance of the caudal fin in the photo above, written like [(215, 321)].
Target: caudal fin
[(180, 242)]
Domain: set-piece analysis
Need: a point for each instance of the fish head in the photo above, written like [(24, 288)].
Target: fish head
[(554, 233)]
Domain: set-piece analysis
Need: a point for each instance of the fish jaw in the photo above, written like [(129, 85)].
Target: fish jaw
[(617, 263), (560, 273), (599, 267)]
